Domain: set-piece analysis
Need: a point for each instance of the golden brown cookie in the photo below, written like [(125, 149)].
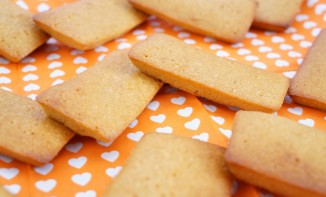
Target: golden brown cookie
[(276, 14), (19, 35), (26, 133), (102, 101), (228, 20), (167, 165), (308, 87), (86, 24), (203, 74), (278, 154)]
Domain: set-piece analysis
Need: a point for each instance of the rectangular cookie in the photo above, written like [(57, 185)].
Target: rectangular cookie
[(308, 87), (86, 24), (203, 74), (19, 35), (228, 20), (278, 154), (26, 133), (276, 14), (102, 101), (167, 165)]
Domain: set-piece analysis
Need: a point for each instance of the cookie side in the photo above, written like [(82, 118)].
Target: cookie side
[(308, 87), (198, 72), (276, 154)]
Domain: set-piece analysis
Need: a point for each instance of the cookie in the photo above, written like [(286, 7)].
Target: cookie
[(276, 14), (278, 154), (223, 19), (102, 101), (167, 165), (26, 133), (203, 74), (19, 35), (86, 24), (308, 87)]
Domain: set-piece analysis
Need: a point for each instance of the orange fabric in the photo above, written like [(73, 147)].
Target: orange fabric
[(85, 167)]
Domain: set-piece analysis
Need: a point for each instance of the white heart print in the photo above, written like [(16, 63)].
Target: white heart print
[(202, 137), (113, 172), (45, 169), (133, 124), (111, 156), (88, 193), (43, 7), (4, 70), (193, 124), (211, 108), (185, 112), (8, 173), (74, 148), (29, 68), (31, 87), (53, 56), (56, 82), (153, 105), (13, 189), (5, 80), (226, 132), (178, 101), (82, 179), (54, 64), (81, 69), (57, 73), (6, 159), (105, 144), (308, 122), (135, 136), (46, 186), (158, 119), (77, 162), (30, 77), (219, 120), (296, 110), (167, 130), (80, 60), (28, 60)]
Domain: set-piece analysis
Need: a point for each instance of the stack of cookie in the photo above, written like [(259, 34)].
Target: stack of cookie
[(86, 24)]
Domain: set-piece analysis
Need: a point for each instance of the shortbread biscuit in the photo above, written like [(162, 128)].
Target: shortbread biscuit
[(276, 14), (26, 133), (278, 154), (167, 165), (102, 101), (308, 87), (203, 74), (86, 24), (19, 35), (228, 20)]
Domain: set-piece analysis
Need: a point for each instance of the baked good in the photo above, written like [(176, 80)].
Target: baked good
[(278, 154), (228, 20), (19, 35), (102, 101), (173, 166), (276, 14), (203, 74), (308, 87), (86, 24), (26, 133)]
